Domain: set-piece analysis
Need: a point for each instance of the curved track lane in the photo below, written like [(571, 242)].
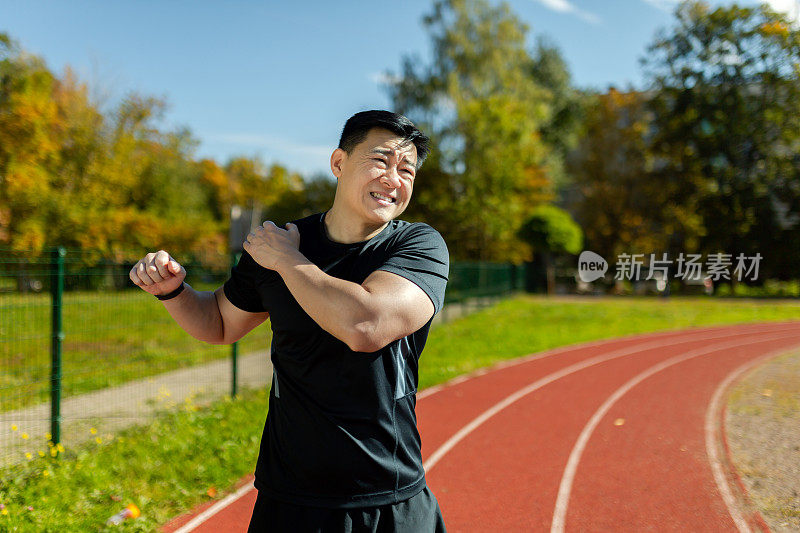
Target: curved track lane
[(610, 435)]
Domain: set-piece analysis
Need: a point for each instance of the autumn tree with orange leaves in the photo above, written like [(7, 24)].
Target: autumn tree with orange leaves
[(115, 183)]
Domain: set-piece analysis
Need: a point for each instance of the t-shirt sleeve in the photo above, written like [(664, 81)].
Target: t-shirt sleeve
[(241, 289), (422, 257)]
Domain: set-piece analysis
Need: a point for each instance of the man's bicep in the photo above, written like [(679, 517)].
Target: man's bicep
[(404, 306), (236, 322)]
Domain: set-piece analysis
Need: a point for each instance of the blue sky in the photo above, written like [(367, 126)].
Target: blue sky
[(278, 79)]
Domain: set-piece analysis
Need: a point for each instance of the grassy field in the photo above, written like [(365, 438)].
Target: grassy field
[(109, 338), (171, 465)]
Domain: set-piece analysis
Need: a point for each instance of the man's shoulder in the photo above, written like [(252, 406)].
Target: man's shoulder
[(309, 222), (414, 228), (420, 231)]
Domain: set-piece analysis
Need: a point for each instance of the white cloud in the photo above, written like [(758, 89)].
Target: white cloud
[(667, 6), (789, 7), (566, 7), (383, 78)]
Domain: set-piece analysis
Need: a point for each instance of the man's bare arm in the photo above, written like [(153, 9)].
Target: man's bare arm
[(206, 316), (366, 317), (211, 317)]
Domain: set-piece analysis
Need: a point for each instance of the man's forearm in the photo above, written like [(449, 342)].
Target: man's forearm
[(198, 314), (340, 307)]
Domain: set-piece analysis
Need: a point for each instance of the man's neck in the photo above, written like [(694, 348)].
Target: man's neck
[(345, 231)]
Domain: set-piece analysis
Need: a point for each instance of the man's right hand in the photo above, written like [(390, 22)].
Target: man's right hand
[(158, 273)]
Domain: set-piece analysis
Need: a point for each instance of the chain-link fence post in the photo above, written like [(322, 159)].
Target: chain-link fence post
[(57, 292), (483, 284), (234, 348)]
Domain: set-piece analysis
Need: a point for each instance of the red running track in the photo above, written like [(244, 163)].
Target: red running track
[(615, 435)]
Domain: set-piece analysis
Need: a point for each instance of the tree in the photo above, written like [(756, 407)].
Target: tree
[(485, 113), (313, 195), (551, 231), (28, 143), (725, 87), (622, 203), (73, 176), (561, 132)]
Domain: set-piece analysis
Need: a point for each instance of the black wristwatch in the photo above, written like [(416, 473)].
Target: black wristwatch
[(173, 294)]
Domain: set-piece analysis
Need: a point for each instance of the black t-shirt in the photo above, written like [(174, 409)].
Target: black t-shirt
[(341, 429)]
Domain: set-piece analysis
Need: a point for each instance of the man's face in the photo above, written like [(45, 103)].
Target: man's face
[(377, 178)]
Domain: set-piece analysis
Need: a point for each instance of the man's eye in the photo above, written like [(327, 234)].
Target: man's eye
[(379, 160)]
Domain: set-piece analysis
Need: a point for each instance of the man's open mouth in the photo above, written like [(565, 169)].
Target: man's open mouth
[(379, 196)]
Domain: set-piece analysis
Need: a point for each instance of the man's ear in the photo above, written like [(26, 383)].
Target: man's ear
[(337, 161)]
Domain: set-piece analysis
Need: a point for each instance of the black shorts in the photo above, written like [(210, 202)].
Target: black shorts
[(418, 514)]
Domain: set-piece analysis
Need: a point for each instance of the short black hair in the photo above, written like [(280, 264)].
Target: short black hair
[(358, 126)]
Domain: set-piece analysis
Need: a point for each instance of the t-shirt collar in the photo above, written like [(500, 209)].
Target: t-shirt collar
[(324, 235)]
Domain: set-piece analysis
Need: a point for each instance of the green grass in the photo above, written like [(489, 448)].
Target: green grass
[(163, 468), (167, 467), (110, 338)]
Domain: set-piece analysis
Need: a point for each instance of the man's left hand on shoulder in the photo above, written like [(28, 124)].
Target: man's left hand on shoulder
[(270, 246)]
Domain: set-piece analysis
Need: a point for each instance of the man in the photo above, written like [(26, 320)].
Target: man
[(351, 294)]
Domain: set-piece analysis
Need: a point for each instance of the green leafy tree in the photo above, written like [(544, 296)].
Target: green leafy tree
[(622, 203), (551, 231), (725, 93), (485, 113), (561, 131)]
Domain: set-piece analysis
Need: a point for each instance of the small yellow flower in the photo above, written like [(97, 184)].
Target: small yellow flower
[(53, 452), (25, 436), (13, 428), (46, 473), (4, 512), (98, 440), (60, 448), (48, 436), (28, 456), (93, 431), (41, 453)]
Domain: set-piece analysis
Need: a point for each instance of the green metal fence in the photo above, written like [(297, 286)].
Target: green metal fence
[(83, 352), (481, 280)]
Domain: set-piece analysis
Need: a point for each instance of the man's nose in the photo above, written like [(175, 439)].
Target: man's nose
[(391, 178)]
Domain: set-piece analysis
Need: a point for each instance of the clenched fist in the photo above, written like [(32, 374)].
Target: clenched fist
[(158, 273), (269, 245)]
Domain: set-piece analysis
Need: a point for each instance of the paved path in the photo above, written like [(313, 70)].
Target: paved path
[(616, 435), (109, 410), (115, 408)]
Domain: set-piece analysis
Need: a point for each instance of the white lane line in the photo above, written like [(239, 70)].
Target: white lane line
[(565, 487), (713, 446), (440, 452), (429, 391), (214, 509)]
